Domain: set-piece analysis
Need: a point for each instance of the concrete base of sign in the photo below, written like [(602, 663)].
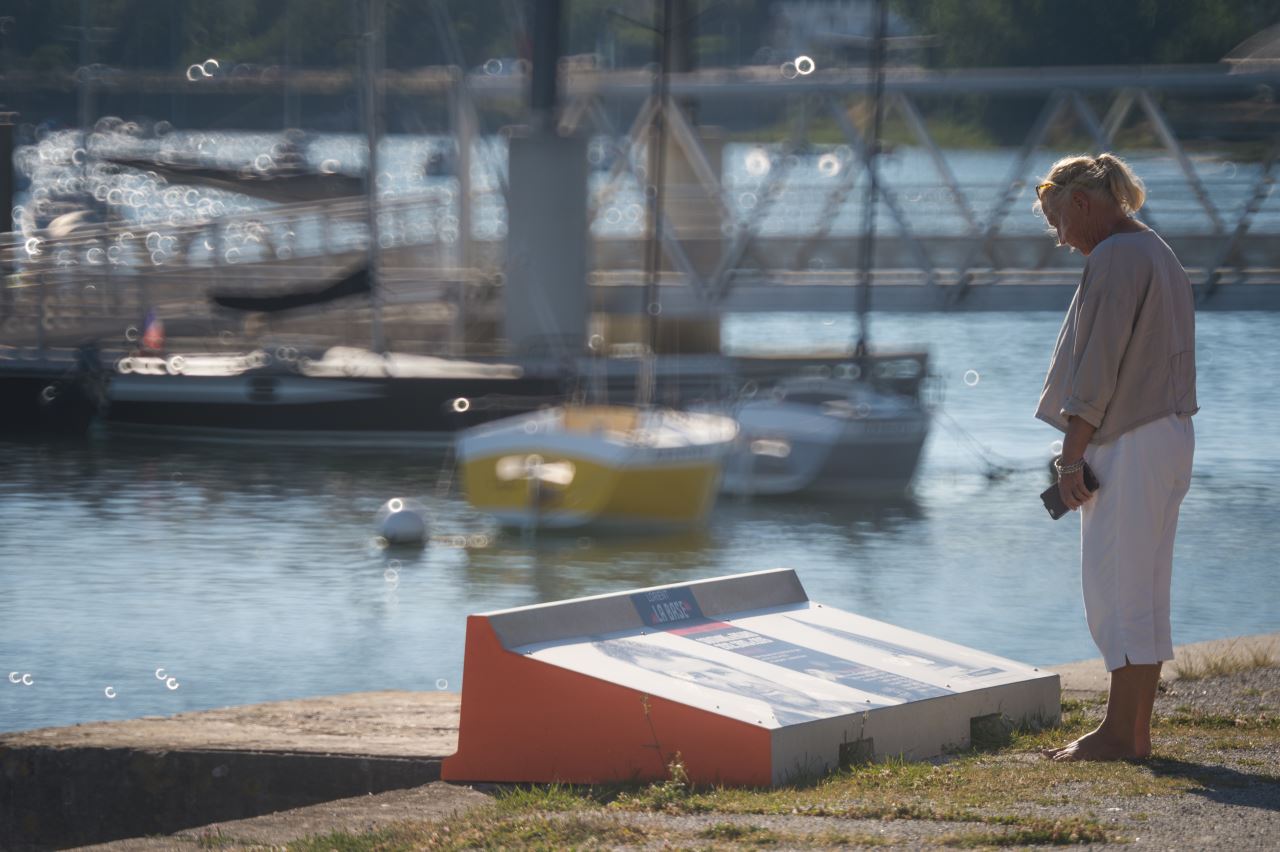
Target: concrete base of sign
[(743, 677)]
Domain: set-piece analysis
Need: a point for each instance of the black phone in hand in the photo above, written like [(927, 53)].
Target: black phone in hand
[(1053, 500)]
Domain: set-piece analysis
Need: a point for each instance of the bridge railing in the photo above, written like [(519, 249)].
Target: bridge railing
[(743, 215)]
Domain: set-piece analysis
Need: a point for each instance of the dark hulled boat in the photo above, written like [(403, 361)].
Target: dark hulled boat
[(51, 393), (340, 396)]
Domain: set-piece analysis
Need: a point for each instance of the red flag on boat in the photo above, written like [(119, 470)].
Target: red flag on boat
[(153, 332)]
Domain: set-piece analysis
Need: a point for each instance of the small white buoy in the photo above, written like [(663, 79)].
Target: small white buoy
[(402, 521)]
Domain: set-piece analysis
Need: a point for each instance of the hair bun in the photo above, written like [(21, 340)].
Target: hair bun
[(1105, 172)]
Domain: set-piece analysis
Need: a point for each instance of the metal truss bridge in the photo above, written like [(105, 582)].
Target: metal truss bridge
[(752, 226)]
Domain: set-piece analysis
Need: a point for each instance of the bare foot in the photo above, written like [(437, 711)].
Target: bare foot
[(1097, 746), (1053, 752)]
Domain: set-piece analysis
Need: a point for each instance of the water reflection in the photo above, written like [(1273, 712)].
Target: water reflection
[(855, 517), (101, 472), (247, 574), (558, 567)]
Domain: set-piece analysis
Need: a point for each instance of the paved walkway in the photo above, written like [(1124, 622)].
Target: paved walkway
[(397, 724), (383, 724)]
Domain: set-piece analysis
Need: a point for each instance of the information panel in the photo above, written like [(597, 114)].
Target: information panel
[(649, 672)]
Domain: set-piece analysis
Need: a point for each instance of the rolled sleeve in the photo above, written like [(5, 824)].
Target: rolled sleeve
[(1076, 407), (1104, 324)]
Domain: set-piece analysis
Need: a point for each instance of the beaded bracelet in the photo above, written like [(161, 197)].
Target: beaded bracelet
[(1063, 470)]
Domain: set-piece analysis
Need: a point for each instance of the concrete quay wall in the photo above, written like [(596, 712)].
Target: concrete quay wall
[(55, 798), (102, 781)]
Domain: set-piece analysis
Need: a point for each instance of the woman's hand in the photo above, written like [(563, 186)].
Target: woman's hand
[(1072, 488)]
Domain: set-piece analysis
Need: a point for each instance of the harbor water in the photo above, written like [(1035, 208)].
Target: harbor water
[(141, 575)]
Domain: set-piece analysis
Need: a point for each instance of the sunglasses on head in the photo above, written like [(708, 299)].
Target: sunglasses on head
[(1046, 185)]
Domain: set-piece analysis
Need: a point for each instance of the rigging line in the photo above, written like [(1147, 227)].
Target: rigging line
[(657, 176), (448, 468), (866, 258), (447, 34), (444, 482), (997, 465)]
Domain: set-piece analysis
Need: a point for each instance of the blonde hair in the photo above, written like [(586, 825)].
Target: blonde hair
[(1105, 172)]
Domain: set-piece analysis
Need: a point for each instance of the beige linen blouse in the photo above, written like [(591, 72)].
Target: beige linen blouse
[(1126, 352)]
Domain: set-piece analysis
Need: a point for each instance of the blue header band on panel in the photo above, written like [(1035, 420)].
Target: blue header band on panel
[(665, 607)]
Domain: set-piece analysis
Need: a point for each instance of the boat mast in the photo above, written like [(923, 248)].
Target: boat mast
[(374, 17), (872, 196), (655, 182)]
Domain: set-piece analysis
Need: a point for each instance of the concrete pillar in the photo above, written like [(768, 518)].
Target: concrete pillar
[(463, 116), (546, 288)]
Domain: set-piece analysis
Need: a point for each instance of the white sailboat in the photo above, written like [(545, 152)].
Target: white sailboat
[(856, 436), (826, 438)]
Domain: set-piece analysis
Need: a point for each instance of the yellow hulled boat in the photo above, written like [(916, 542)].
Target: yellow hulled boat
[(596, 466)]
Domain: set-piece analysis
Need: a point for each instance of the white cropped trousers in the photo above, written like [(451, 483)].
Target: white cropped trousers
[(1126, 539)]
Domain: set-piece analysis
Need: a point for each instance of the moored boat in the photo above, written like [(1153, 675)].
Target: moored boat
[(858, 435), (54, 393), (338, 396), (597, 466), (826, 438)]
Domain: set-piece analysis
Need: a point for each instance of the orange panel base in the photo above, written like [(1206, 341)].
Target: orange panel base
[(524, 720)]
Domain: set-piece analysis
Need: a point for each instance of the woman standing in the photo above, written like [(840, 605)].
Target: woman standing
[(1122, 386)]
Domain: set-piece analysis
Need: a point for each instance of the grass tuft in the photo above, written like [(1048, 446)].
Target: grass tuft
[(485, 828), (1063, 832), (1231, 660), (543, 831), (740, 833), (834, 837), (1079, 705), (213, 839), (554, 798), (390, 839), (675, 794)]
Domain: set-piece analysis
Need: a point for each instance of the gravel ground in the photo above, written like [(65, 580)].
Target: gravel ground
[(1237, 802), (1253, 692), (1231, 797)]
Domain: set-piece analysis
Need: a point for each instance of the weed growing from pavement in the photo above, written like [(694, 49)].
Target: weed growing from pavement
[(670, 795)]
